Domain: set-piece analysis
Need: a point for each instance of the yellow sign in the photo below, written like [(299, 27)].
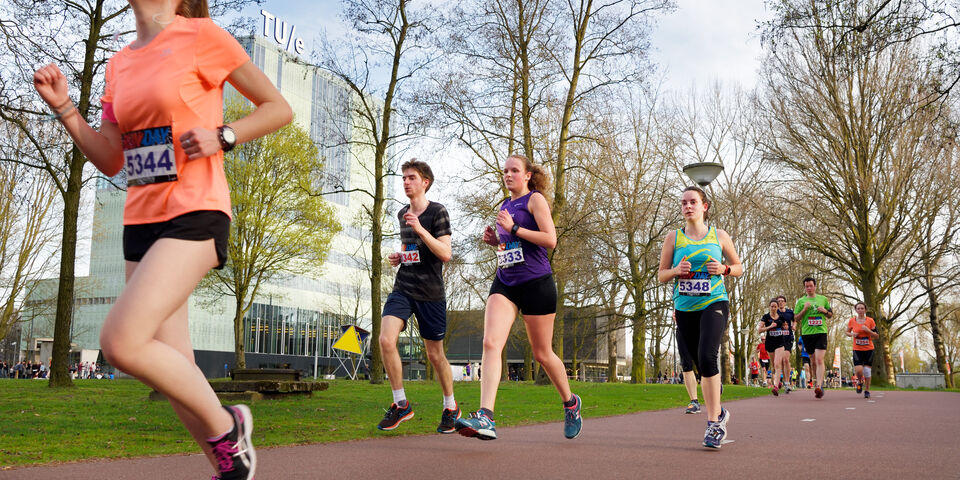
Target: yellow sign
[(349, 341)]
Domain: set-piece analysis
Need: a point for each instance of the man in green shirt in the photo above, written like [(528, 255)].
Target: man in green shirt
[(811, 312)]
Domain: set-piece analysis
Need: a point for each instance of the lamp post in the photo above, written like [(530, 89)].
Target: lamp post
[(702, 173)]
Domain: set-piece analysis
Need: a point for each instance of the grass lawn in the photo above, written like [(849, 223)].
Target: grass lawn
[(104, 419)]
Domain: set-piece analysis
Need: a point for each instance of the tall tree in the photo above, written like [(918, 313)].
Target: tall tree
[(79, 37), (385, 49), (850, 125), (278, 229)]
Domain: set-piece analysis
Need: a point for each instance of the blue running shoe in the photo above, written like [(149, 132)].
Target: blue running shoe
[(479, 425), (572, 423), (395, 416), (714, 435), (693, 407)]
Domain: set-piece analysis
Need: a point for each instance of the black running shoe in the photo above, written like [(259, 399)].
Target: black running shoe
[(448, 420), (236, 458), (396, 415), (859, 387)]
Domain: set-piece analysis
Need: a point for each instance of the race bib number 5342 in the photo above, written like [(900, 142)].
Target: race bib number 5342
[(410, 255), (149, 157)]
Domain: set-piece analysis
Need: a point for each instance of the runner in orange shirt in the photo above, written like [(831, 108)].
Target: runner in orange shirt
[(163, 124), (863, 330)]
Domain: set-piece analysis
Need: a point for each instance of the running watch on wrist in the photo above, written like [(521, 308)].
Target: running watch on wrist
[(514, 228), (228, 138)]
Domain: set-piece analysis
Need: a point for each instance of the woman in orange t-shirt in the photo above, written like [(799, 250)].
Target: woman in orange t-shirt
[(863, 330), (163, 124)]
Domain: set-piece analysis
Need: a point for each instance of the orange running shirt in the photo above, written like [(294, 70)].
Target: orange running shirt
[(862, 341), (158, 92)]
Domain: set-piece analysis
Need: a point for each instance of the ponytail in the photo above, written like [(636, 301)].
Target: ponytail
[(193, 9)]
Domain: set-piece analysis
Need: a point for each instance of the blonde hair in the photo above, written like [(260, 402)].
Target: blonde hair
[(539, 180)]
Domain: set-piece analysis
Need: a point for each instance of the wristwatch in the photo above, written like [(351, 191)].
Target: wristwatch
[(228, 138), (514, 228)]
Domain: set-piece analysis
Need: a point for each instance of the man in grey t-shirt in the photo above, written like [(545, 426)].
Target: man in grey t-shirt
[(418, 290)]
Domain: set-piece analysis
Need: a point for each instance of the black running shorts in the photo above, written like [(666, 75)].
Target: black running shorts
[(199, 225), (814, 342), (536, 297), (863, 357)]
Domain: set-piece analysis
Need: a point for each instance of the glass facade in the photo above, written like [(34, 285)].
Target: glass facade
[(291, 330)]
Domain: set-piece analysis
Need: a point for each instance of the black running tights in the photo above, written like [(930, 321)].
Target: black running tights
[(698, 337)]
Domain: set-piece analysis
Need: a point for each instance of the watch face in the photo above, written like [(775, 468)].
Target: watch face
[(229, 136)]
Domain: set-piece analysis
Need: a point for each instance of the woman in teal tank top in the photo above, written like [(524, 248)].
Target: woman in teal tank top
[(692, 257)]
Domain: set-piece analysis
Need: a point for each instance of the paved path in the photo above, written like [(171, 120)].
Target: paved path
[(898, 435)]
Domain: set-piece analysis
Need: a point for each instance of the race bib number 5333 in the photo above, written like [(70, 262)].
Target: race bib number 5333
[(149, 157), (509, 254)]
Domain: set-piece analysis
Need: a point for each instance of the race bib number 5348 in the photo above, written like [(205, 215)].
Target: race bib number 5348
[(696, 286), (149, 157)]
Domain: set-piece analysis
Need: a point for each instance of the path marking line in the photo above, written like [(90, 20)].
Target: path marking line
[(809, 420), (851, 408)]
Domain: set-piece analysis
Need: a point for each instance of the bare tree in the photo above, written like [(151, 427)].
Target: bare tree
[(852, 126), (79, 37)]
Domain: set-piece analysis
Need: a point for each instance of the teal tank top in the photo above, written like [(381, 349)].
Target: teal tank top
[(698, 289)]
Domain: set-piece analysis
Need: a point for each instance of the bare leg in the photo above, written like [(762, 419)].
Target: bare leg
[(390, 328), (158, 287), (540, 333), (711, 396), (820, 367), (690, 383), (438, 358), (497, 319)]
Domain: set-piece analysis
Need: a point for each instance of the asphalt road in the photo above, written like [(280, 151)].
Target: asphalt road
[(896, 435)]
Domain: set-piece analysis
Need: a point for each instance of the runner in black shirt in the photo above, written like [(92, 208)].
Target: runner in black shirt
[(418, 290)]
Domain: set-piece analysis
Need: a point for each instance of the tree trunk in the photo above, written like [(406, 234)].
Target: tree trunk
[(239, 347), (937, 336), (376, 270), (528, 362), (59, 367), (725, 357), (638, 366), (611, 351)]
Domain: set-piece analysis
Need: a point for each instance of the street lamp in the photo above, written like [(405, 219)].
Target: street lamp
[(702, 173)]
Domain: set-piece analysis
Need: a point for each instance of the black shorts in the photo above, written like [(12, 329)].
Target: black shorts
[(788, 343), (863, 357), (196, 226), (814, 342), (536, 297), (753, 376), (805, 360), (431, 315), (765, 363), (772, 345)]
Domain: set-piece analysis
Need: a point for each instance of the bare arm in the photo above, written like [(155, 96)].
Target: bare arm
[(667, 271), (272, 112), (102, 148), (546, 237)]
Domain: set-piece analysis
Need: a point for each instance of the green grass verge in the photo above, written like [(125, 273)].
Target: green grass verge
[(102, 419)]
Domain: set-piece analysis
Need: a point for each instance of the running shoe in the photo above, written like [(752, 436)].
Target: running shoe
[(787, 391), (859, 387), (693, 407), (572, 423), (723, 418), (776, 391), (395, 416), (818, 392), (448, 420), (714, 435), (866, 394), (236, 458), (479, 425)]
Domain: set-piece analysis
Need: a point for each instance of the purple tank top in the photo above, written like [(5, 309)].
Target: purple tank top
[(536, 264)]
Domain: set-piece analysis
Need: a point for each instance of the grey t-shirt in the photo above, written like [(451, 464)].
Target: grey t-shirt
[(423, 280)]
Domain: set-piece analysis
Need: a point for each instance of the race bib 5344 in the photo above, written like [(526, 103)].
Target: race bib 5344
[(149, 157)]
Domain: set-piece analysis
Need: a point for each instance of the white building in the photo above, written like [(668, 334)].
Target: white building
[(282, 326)]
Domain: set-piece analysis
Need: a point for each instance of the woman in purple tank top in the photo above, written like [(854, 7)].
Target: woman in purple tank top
[(524, 284)]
